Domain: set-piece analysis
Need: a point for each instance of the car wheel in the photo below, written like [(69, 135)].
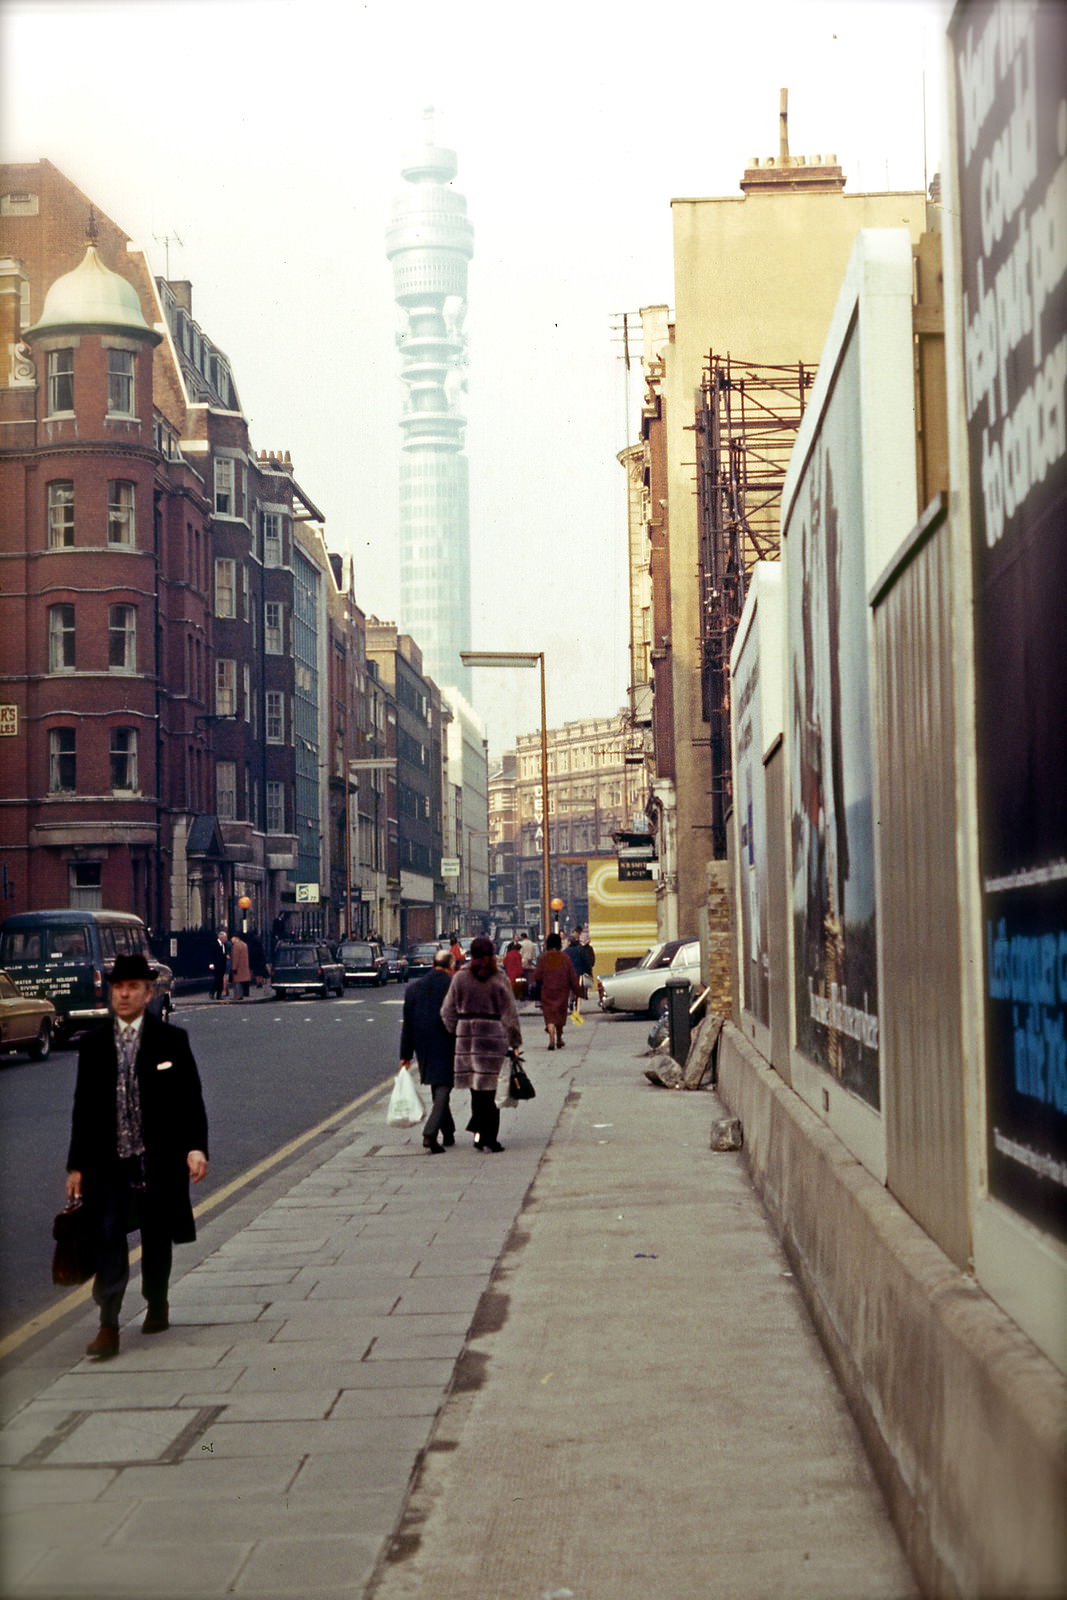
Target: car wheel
[(659, 1005), (42, 1045)]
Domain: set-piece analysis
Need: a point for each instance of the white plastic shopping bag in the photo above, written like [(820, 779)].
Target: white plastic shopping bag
[(405, 1107)]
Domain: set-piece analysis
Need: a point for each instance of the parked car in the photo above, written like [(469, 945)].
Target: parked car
[(25, 1023), (363, 961), (420, 957), (396, 963), (306, 969), (644, 988), (64, 956)]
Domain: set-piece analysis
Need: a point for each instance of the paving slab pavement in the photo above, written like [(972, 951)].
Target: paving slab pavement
[(577, 1370)]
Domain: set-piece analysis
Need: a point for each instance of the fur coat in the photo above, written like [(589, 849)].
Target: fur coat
[(484, 1018)]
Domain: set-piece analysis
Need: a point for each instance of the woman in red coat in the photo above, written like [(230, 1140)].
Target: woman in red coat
[(558, 982), (513, 967)]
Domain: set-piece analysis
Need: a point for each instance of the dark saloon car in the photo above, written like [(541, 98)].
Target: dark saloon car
[(363, 961), (304, 969), (396, 963), (420, 958)]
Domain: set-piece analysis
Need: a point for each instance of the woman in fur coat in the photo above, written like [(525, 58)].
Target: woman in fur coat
[(479, 1009)]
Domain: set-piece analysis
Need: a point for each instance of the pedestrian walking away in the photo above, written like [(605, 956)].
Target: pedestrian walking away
[(480, 1010), (513, 969), (557, 980), (240, 967), (529, 961), (581, 952), (425, 1039), (138, 1135)]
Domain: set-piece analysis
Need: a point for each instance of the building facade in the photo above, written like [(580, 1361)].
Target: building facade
[(771, 302), (168, 601), (466, 840), (595, 795), (413, 792)]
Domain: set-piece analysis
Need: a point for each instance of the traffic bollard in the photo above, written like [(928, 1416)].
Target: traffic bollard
[(678, 1017)]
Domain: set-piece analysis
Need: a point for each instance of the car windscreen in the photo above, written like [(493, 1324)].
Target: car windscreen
[(357, 952), (296, 956)]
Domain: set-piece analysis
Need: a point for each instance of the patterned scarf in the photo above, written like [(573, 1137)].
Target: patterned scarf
[(128, 1093)]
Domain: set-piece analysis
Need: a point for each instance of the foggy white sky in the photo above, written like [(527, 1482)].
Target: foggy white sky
[(266, 135)]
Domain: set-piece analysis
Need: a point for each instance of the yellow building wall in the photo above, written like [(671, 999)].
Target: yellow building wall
[(622, 915), (755, 278)]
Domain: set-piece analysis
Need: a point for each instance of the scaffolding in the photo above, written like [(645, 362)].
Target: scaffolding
[(747, 418)]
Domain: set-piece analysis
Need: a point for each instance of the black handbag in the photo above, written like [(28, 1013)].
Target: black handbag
[(74, 1256), (519, 1085)]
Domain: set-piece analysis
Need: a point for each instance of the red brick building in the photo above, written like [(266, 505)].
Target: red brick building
[(146, 593)]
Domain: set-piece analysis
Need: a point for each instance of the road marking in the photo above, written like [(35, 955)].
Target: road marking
[(79, 1297)]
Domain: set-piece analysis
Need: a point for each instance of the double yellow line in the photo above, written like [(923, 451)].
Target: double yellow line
[(78, 1297)]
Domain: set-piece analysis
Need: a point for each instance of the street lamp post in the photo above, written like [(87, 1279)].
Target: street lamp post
[(526, 658)]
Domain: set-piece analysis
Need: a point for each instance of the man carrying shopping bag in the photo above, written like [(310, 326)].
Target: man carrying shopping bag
[(424, 1038)]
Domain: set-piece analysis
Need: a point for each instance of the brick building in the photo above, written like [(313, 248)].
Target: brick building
[(87, 616), (163, 600), (414, 792)]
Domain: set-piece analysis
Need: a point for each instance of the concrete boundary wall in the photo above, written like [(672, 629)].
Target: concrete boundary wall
[(962, 1415)]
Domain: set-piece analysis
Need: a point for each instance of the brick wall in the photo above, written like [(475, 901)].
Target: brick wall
[(719, 957)]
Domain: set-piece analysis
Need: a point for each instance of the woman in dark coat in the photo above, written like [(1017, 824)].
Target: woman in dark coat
[(557, 981), (480, 1010)]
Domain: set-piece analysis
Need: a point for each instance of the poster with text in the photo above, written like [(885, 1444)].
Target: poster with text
[(1011, 156), (750, 798), (834, 912)]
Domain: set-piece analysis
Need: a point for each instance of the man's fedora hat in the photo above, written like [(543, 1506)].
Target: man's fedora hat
[(129, 969)]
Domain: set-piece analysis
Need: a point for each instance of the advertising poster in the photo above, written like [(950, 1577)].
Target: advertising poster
[(834, 913), (750, 799), (1011, 154)]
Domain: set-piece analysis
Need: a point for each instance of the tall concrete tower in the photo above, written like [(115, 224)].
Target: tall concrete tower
[(429, 243)]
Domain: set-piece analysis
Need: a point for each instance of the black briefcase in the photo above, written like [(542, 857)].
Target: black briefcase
[(74, 1256)]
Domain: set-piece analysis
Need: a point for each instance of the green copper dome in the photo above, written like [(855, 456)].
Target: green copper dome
[(90, 299)]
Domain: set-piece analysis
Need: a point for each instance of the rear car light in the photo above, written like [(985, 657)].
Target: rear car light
[(98, 983)]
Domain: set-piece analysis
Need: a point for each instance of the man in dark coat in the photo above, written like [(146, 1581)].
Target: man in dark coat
[(424, 1037), (138, 1135)]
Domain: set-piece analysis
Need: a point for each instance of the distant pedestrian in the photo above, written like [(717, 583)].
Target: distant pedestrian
[(456, 950), (138, 1135), (425, 1039), (220, 966), (257, 959), (480, 1010), (556, 981), (513, 969), (529, 961), (240, 967), (586, 962)]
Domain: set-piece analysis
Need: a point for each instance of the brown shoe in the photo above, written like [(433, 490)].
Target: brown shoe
[(157, 1320), (105, 1345)]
